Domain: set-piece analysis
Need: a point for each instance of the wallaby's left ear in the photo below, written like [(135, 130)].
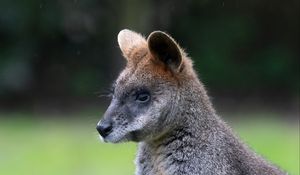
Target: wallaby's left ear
[(165, 49)]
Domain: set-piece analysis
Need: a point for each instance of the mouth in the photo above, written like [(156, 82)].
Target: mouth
[(105, 139), (114, 138), (101, 138)]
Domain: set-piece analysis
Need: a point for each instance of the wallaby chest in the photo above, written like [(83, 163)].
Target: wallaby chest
[(152, 161)]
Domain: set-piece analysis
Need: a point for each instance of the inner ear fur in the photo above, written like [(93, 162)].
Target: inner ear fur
[(133, 45), (165, 49)]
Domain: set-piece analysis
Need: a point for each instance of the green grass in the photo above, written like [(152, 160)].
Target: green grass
[(68, 147)]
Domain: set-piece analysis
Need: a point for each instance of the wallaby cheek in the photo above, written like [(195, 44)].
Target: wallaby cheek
[(136, 136)]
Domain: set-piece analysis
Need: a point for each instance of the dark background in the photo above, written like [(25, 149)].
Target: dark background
[(57, 56)]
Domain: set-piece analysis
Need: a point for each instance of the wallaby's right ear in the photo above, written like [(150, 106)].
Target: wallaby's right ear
[(132, 45), (165, 49)]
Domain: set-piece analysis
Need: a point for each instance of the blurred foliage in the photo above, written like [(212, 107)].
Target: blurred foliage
[(61, 49)]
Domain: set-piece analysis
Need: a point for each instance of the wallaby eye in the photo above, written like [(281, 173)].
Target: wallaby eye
[(143, 97)]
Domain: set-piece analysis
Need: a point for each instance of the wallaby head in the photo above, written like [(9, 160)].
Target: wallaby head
[(158, 100), (145, 95)]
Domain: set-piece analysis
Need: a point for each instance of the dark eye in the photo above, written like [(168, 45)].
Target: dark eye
[(143, 97)]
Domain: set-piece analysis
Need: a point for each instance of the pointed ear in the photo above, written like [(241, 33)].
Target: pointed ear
[(132, 44), (165, 49)]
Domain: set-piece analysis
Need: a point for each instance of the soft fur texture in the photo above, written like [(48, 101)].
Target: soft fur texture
[(178, 130)]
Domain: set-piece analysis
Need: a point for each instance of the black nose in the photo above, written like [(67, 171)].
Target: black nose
[(104, 129)]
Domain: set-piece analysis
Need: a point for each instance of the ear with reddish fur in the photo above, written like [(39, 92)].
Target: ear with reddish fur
[(132, 44), (165, 49)]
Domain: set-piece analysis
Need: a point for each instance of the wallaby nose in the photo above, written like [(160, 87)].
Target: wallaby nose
[(104, 129)]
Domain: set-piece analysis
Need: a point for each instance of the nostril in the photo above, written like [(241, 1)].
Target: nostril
[(107, 129), (104, 129)]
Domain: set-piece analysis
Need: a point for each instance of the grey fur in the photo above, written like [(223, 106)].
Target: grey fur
[(178, 132)]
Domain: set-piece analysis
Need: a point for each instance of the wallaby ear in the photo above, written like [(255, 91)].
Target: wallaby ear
[(132, 44), (165, 49)]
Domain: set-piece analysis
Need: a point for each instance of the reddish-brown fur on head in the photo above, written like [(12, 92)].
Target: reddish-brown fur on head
[(159, 56)]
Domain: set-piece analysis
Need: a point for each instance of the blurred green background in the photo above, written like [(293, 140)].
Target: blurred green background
[(56, 57)]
